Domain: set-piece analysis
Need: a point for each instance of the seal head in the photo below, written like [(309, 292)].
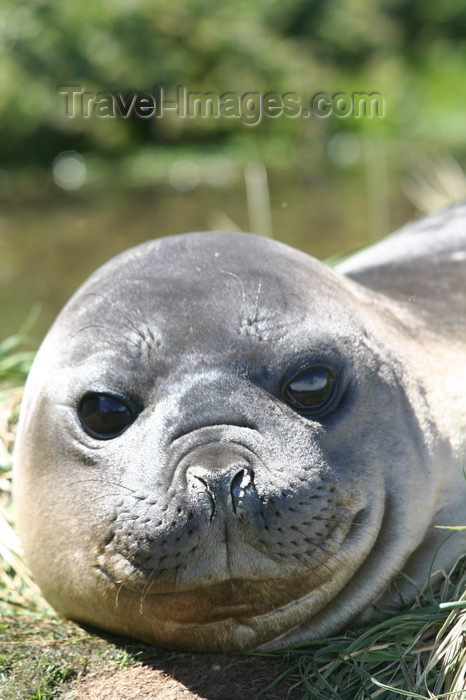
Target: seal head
[(227, 445)]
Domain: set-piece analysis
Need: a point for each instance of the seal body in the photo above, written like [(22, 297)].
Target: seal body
[(226, 445)]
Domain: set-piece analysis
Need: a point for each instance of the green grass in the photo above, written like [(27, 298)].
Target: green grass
[(39, 654), (419, 653)]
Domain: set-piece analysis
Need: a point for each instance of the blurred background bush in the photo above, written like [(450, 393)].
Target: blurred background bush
[(74, 191)]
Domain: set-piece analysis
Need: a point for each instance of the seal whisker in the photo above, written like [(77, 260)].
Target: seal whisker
[(109, 330), (106, 528), (120, 587), (152, 579), (332, 555), (243, 304), (94, 499), (112, 304), (298, 557), (329, 555), (255, 311), (331, 520), (102, 481)]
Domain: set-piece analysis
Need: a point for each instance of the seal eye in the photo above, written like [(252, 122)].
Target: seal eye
[(309, 391), (104, 416)]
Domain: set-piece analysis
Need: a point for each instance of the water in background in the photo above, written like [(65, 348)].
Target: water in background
[(48, 247)]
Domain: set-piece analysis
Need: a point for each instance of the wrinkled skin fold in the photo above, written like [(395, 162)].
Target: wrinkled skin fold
[(224, 515)]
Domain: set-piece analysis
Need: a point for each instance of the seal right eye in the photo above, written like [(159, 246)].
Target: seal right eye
[(104, 416)]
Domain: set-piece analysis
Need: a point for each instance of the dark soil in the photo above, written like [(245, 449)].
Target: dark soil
[(189, 677), (44, 659)]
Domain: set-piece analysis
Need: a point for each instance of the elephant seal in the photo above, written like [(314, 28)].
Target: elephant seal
[(227, 445)]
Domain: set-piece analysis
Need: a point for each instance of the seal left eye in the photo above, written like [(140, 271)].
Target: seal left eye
[(310, 391), (104, 416)]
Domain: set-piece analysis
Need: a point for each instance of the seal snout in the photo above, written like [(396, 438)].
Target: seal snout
[(220, 476)]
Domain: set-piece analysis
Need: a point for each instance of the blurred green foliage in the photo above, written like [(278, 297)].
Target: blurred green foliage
[(413, 52)]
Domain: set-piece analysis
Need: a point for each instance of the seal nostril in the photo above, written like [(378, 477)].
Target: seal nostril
[(243, 479), (204, 498)]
